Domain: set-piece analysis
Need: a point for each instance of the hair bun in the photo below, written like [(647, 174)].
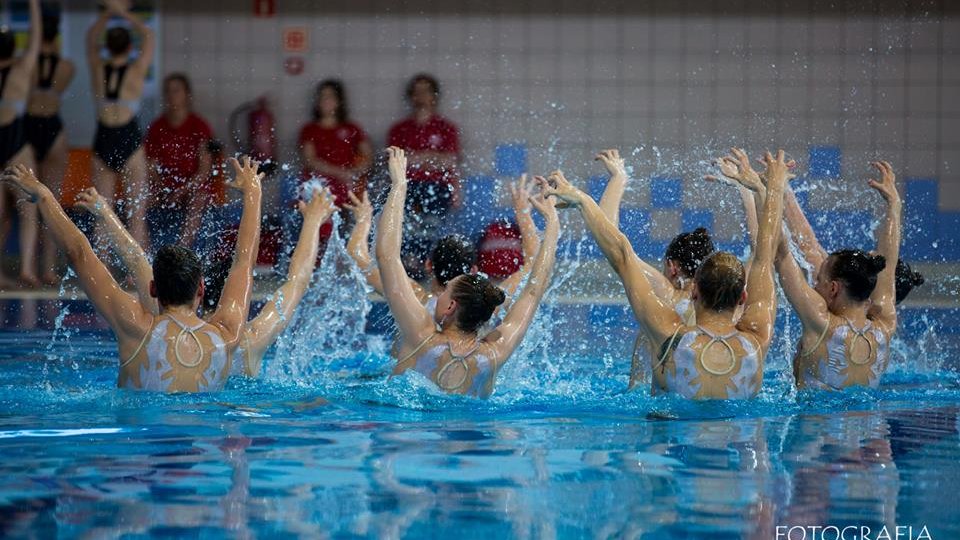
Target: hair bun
[(916, 279), (875, 263), (493, 296)]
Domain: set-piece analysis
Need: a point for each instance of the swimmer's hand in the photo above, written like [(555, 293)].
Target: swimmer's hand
[(91, 201), (360, 207), (778, 170), (520, 192), (247, 175), (546, 207), (23, 177), (887, 185), (613, 162), (735, 168), (320, 207), (557, 186), (397, 165)]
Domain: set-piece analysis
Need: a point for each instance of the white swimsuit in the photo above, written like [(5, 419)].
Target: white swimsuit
[(690, 370), (428, 364), (832, 371), (154, 370)]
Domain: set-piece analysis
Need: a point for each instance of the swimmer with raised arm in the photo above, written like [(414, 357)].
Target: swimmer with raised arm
[(845, 342), (445, 345), (454, 255), (718, 358), (174, 350), (118, 81), (736, 168), (258, 334)]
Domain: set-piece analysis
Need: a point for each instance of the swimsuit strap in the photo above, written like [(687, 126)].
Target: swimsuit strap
[(143, 342), (109, 69), (184, 329), (714, 339), (417, 349), (862, 334), (47, 66), (455, 359), (666, 351), (823, 335)]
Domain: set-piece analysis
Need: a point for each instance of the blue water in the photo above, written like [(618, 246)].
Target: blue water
[(559, 451)]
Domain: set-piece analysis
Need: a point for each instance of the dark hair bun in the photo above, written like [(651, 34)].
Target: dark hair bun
[(916, 279), (493, 296), (875, 263)]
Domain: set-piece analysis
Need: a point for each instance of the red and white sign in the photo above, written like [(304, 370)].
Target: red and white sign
[(293, 65), (295, 39), (264, 8)]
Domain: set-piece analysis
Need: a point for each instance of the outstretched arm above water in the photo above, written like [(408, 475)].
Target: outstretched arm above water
[(888, 244), (126, 316), (613, 193), (657, 319), (278, 310), (520, 192), (234, 302), (412, 318), (130, 252), (508, 335)]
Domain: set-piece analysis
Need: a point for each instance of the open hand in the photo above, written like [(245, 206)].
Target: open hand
[(360, 207), (613, 162), (23, 177), (397, 165), (247, 175), (887, 185), (320, 207), (91, 201)]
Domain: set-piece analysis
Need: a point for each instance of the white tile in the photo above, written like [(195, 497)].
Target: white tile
[(511, 33), (420, 32), (636, 99), (920, 163), (793, 100), (922, 133), (950, 133), (543, 34), (699, 99), (699, 34), (605, 99), (858, 132), (761, 99), (603, 67), (858, 36), (890, 99), (923, 99), (826, 68), (666, 131), (573, 34), (635, 33), (827, 34), (731, 99), (667, 67), (923, 68), (543, 67), (480, 34), (573, 67), (604, 34), (763, 33), (574, 97), (668, 34), (924, 34), (450, 31), (891, 133), (664, 224), (731, 34)]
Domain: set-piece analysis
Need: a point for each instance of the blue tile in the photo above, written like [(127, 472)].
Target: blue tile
[(511, 159), (666, 193), (838, 229), (596, 185), (948, 245), (824, 162), (921, 220), (692, 218), (921, 194)]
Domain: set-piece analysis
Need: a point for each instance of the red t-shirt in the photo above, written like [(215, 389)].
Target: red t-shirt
[(437, 134), (338, 146), (176, 150)]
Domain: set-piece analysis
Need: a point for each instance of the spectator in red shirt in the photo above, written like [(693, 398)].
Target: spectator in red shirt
[(432, 145), (179, 165)]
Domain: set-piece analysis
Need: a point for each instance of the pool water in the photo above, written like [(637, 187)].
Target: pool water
[(345, 452)]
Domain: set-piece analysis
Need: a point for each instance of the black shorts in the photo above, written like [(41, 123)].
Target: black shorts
[(115, 145), (41, 132), (11, 140)]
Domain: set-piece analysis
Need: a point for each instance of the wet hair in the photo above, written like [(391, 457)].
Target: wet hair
[(180, 78), (720, 281), (857, 270), (343, 112), (177, 272), (51, 27), (118, 40), (423, 77), (906, 279), (8, 44), (477, 298), (454, 255), (690, 249)]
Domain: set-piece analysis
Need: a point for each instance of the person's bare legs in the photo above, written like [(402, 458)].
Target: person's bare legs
[(51, 173), (137, 196)]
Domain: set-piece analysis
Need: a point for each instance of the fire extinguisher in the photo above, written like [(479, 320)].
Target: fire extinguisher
[(258, 138)]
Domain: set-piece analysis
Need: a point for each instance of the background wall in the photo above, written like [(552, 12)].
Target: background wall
[(545, 84)]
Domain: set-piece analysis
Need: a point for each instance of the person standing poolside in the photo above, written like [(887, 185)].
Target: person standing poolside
[(179, 165), (173, 350), (15, 82), (719, 357), (445, 345), (118, 87), (43, 126), (433, 145), (258, 334)]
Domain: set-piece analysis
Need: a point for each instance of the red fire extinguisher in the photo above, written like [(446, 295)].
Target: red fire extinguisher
[(258, 138)]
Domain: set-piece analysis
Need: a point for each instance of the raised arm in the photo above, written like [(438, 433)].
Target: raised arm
[(758, 316), (29, 59), (130, 252), (518, 318), (278, 311), (520, 192), (94, 33), (801, 231), (884, 295), (235, 299), (658, 319), (806, 302), (616, 185), (121, 9), (412, 319), (125, 315), (736, 170)]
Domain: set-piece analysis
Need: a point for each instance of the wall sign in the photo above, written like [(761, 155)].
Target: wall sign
[(295, 39)]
